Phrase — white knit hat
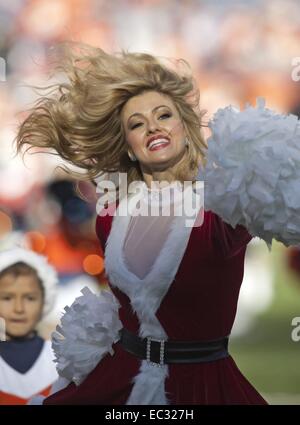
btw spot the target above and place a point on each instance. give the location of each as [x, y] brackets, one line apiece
[39, 263]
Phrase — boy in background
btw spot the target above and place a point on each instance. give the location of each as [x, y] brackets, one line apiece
[27, 293]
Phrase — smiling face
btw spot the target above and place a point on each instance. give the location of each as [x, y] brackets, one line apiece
[154, 131]
[21, 303]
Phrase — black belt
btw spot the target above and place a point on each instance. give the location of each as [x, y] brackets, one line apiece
[164, 352]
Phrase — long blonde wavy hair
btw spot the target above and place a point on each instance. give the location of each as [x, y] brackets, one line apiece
[81, 117]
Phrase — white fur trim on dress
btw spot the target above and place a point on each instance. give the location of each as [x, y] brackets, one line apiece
[45, 271]
[58, 385]
[252, 175]
[146, 295]
[36, 400]
[88, 330]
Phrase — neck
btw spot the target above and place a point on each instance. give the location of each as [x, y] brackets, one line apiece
[158, 177]
[30, 335]
[151, 174]
[153, 180]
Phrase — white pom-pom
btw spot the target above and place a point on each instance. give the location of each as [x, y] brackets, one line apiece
[252, 174]
[88, 330]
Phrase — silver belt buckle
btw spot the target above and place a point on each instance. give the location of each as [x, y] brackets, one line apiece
[161, 352]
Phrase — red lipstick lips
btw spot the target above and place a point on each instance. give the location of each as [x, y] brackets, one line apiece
[157, 136]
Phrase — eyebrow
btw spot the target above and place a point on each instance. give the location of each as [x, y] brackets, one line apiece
[153, 110]
[13, 293]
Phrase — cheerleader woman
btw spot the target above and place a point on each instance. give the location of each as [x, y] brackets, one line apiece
[161, 335]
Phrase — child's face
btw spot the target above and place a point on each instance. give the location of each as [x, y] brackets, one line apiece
[21, 304]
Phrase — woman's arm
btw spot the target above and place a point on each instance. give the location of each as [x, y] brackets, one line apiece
[229, 240]
[252, 173]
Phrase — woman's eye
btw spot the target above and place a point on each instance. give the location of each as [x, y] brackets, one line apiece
[5, 298]
[165, 115]
[136, 125]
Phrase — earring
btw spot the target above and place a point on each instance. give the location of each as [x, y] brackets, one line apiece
[131, 156]
[187, 142]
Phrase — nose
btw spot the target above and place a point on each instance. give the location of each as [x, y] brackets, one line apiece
[19, 305]
[152, 126]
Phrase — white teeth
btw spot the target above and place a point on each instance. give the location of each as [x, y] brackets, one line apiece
[157, 142]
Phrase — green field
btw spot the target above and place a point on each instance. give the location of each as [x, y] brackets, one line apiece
[267, 355]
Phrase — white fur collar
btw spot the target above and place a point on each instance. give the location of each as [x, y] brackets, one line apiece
[146, 295]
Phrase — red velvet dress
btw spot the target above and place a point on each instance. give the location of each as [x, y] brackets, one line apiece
[199, 304]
